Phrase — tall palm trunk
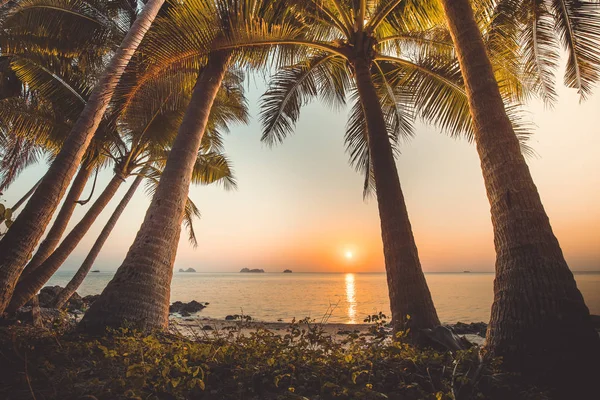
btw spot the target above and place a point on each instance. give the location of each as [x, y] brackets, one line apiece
[60, 223]
[409, 294]
[540, 323]
[31, 284]
[85, 267]
[21, 239]
[25, 197]
[139, 293]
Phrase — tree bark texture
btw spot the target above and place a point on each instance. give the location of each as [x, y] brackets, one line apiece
[60, 223]
[139, 294]
[410, 299]
[18, 243]
[87, 264]
[540, 324]
[32, 283]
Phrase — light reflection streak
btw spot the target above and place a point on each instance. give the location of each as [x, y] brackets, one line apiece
[351, 298]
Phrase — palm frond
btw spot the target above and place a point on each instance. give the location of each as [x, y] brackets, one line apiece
[324, 76]
[578, 26]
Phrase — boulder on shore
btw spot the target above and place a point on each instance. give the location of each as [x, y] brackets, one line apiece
[49, 293]
[475, 328]
[186, 309]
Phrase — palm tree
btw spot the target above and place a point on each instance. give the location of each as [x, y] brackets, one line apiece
[56, 87]
[369, 47]
[209, 168]
[540, 324]
[20, 240]
[139, 292]
[147, 121]
[292, 34]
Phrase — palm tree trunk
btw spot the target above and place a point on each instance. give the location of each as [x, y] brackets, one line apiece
[60, 223]
[27, 195]
[31, 284]
[139, 293]
[540, 324]
[26, 231]
[82, 272]
[409, 294]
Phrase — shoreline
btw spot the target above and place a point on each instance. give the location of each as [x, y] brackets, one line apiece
[213, 327]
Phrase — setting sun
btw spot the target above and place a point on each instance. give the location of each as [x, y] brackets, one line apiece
[349, 255]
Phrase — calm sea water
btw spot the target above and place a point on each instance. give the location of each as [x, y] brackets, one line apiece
[463, 297]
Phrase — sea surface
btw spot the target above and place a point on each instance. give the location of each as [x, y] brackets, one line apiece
[345, 298]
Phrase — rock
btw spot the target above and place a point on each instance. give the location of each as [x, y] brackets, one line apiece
[89, 299]
[207, 328]
[75, 303]
[443, 338]
[48, 294]
[187, 270]
[46, 314]
[252, 270]
[230, 318]
[185, 309]
[477, 328]
[287, 271]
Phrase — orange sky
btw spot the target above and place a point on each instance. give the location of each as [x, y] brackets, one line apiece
[299, 205]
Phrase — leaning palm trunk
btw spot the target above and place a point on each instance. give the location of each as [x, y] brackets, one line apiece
[60, 223]
[21, 239]
[31, 284]
[139, 293]
[82, 272]
[410, 300]
[540, 324]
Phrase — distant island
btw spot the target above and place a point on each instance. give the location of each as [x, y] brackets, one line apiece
[187, 270]
[96, 270]
[287, 271]
[252, 270]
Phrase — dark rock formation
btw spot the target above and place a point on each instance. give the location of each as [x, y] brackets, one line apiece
[90, 298]
[186, 309]
[475, 328]
[187, 270]
[252, 270]
[287, 271]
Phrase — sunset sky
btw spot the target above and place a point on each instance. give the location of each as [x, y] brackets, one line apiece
[299, 205]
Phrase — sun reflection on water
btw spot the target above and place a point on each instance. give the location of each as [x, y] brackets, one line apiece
[351, 298]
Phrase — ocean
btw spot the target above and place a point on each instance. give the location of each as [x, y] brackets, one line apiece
[349, 297]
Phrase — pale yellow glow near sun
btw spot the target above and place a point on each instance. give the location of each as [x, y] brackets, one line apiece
[349, 255]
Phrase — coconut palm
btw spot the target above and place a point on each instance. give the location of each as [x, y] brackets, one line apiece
[182, 41]
[56, 87]
[540, 324]
[209, 168]
[396, 61]
[265, 26]
[147, 122]
[20, 240]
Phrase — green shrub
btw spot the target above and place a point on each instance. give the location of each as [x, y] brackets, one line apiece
[302, 362]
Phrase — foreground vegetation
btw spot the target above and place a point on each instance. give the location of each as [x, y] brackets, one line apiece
[302, 362]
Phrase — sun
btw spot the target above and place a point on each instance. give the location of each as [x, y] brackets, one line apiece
[349, 255]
